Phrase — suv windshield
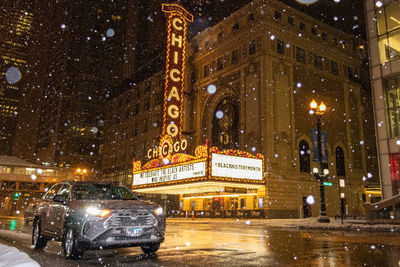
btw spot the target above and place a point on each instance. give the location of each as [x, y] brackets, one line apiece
[101, 191]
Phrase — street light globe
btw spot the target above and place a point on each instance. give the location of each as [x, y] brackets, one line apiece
[315, 170]
[326, 171]
[84, 171]
[322, 107]
[78, 170]
[313, 104]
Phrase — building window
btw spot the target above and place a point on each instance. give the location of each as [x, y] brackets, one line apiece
[252, 47]
[132, 152]
[317, 61]
[277, 15]
[206, 71]
[135, 129]
[235, 27]
[350, 74]
[389, 32]
[148, 86]
[340, 166]
[314, 31]
[145, 125]
[146, 105]
[220, 63]
[334, 68]
[304, 156]
[324, 36]
[158, 99]
[290, 21]
[300, 55]
[235, 56]
[392, 106]
[226, 124]
[280, 47]
[302, 26]
[251, 17]
[136, 109]
[220, 35]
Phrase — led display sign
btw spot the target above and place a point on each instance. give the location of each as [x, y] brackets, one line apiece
[236, 167]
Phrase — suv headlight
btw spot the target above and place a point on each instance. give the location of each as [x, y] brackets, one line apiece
[159, 211]
[97, 212]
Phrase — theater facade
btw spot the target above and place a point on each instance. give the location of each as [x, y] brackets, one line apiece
[225, 126]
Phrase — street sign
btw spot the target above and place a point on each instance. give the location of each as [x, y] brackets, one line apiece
[327, 184]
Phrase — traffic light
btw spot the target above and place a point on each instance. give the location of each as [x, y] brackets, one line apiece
[16, 196]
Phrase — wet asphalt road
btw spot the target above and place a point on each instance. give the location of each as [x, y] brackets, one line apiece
[227, 244]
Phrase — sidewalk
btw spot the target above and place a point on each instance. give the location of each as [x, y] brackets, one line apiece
[296, 224]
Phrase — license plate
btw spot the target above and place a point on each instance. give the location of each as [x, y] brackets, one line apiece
[134, 231]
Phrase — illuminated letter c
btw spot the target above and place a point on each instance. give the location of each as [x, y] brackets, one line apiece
[174, 75]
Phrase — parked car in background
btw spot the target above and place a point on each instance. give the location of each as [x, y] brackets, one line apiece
[29, 213]
[91, 215]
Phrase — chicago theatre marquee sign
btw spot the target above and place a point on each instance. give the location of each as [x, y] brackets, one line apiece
[169, 169]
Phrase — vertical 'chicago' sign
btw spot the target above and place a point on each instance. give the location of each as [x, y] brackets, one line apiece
[177, 18]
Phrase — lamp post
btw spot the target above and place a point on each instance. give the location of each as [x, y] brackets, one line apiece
[320, 174]
[81, 172]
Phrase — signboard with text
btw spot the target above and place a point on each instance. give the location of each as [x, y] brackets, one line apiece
[173, 173]
[236, 167]
[177, 21]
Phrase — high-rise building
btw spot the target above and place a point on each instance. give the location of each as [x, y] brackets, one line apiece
[383, 24]
[15, 31]
[81, 50]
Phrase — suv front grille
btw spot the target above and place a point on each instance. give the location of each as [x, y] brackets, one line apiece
[134, 218]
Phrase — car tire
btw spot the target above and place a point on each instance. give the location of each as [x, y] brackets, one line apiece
[38, 241]
[150, 248]
[72, 250]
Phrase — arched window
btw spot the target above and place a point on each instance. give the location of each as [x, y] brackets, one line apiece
[340, 167]
[226, 124]
[304, 156]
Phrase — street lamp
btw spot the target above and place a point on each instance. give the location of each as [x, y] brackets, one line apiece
[322, 173]
[81, 172]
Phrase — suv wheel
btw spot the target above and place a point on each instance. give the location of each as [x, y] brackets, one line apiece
[70, 244]
[38, 241]
[150, 248]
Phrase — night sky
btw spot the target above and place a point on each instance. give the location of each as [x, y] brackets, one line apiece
[346, 15]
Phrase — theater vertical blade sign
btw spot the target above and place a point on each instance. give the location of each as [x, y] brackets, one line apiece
[177, 19]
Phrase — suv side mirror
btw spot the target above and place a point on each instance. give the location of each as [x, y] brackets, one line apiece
[60, 198]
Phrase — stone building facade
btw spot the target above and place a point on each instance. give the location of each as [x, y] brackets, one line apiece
[249, 82]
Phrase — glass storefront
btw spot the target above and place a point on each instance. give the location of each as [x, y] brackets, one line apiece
[392, 106]
[388, 23]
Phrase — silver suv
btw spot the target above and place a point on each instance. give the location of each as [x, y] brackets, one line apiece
[93, 215]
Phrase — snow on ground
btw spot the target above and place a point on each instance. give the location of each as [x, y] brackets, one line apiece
[10, 256]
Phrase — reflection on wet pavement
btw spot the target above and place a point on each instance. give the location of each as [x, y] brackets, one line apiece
[225, 244]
